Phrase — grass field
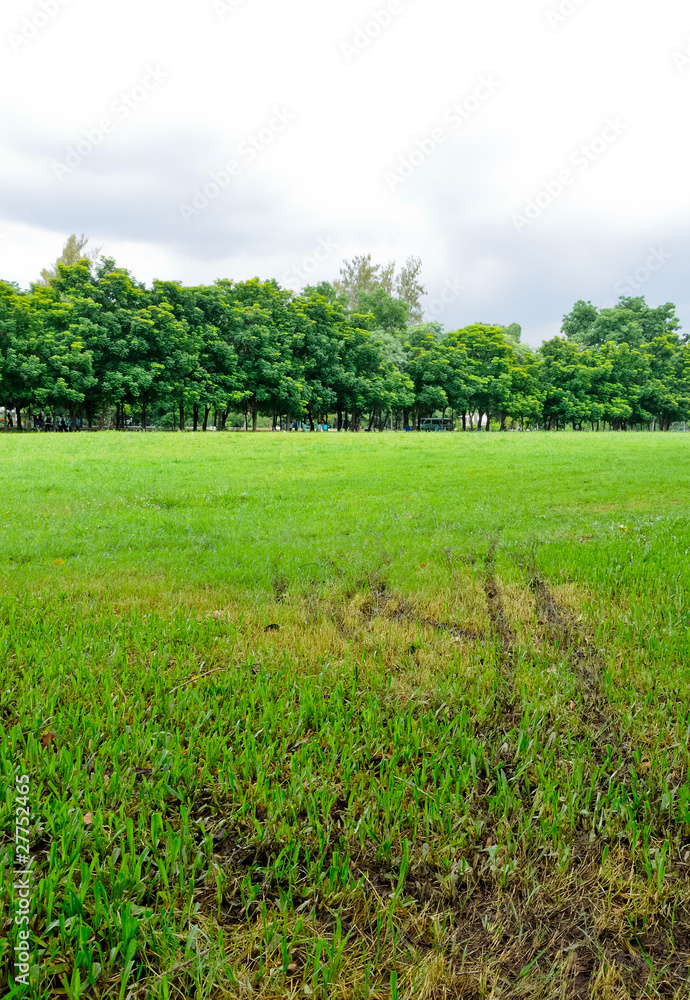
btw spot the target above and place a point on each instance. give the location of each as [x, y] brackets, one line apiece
[396, 716]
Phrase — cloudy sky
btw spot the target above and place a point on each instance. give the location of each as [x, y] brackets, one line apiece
[531, 152]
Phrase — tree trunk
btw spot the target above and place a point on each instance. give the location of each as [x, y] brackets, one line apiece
[195, 416]
[207, 410]
[181, 416]
[19, 419]
[143, 416]
[255, 414]
[340, 418]
[464, 420]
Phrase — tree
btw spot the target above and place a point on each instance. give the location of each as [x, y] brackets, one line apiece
[429, 369]
[89, 338]
[21, 370]
[667, 392]
[493, 361]
[409, 289]
[388, 313]
[317, 352]
[72, 251]
[67, 372]
[257, 319]
[566, 376]
[360, 277]
[630, 322]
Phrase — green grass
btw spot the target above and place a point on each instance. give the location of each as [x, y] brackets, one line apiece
[348, 716]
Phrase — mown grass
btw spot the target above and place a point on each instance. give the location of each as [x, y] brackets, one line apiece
[349, 716]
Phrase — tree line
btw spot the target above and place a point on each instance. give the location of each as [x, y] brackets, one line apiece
[90, 341]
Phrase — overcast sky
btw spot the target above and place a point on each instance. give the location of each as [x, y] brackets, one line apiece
[531, 153]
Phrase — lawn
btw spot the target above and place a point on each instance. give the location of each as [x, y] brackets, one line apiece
[394, 716]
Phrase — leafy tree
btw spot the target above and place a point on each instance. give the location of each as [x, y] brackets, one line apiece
[493, 361]
[257, 319]
[90, 338]
[388, 313]
[360, 277]
[667, 392]
[72, 251]
[409, 289]
[630, 322]
[566, 377]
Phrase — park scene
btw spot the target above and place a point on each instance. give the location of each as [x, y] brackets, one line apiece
[344, 496]
[388, 714]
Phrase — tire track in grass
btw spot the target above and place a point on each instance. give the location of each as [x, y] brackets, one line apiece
[508, 699]
[383, 603]
[600, 727]
[497, 937]
[497, 613]
[586, 660]
[513, 937]
[611, 742]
